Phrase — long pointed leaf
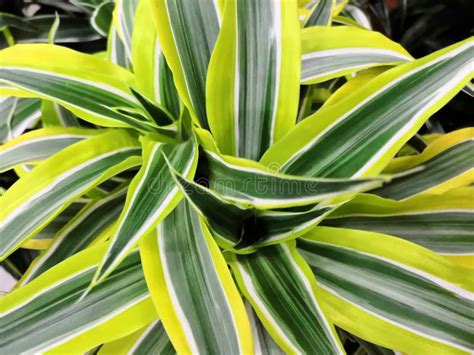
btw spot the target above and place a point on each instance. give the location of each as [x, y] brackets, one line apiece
[392, 292]
[187, 32]
[192, 287]
[442, 223]
[360, 135]
[250, 183]
[93, 89]
[40, 144]
[151, 196]
[253, 82]
[282, 291]
[46, 314]
[337, 51]
[42, 194]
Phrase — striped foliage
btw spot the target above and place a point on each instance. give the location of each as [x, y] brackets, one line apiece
[282, 290]
[336, 51]
[393, 291]
[442, 223]
[48, 314]
[187, 32]
[40, 144]
[151, 339]
[48, 189]
[232, 177]
[151, 196]
[65, 76]
[192, 288]
[446, 164]
[17, 115]
[153, 75]
[253, 83]
[245, 182]
[243, 229]
[90, 225]
[354, 138]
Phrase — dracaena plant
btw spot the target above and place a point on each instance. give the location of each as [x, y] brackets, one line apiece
[197, 216]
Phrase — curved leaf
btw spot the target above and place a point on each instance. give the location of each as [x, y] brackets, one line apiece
[192, 287]
[151, 196]
[42, 194]
[360, 135]
[253, 80]
[47, 314]
[283, 292]
[392, 292]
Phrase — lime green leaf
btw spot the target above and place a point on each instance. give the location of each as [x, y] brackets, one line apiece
[151, 196]
[244, 229]
[252, 184]
[253, 80]
[17, 115]
[442, 223]
[392, 292]
[330, 52]
[42, 194]
[47, 314]
[360, 135]
[321, 13]
[54, 115]
[445, 164]
[151, 339]
[124, 18]
[37, 145]
[192, 287]
[90, 87]
[79, 233]
[154, 77]
[187, 32]
[282, 291]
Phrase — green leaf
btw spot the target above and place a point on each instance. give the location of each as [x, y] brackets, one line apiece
[54, 115]
[17, 115]
[89, 226]
[361, 134]
[262, 341]
[73, 29]
[283, 292]
[102, 17]
[253, 80]
[442, 223]
[242, 229]
[392, 292]
[91, 88]
[42, 194]
[44, 238]
[124, 17]
[187, 32]
[445, 164]
[192, 287]
[321, 14]
[47, 314]
[151, 339]
[116, 50]
[249, 183]
[37, 145]
[153, 75]
[151, 196]
[330, 52]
